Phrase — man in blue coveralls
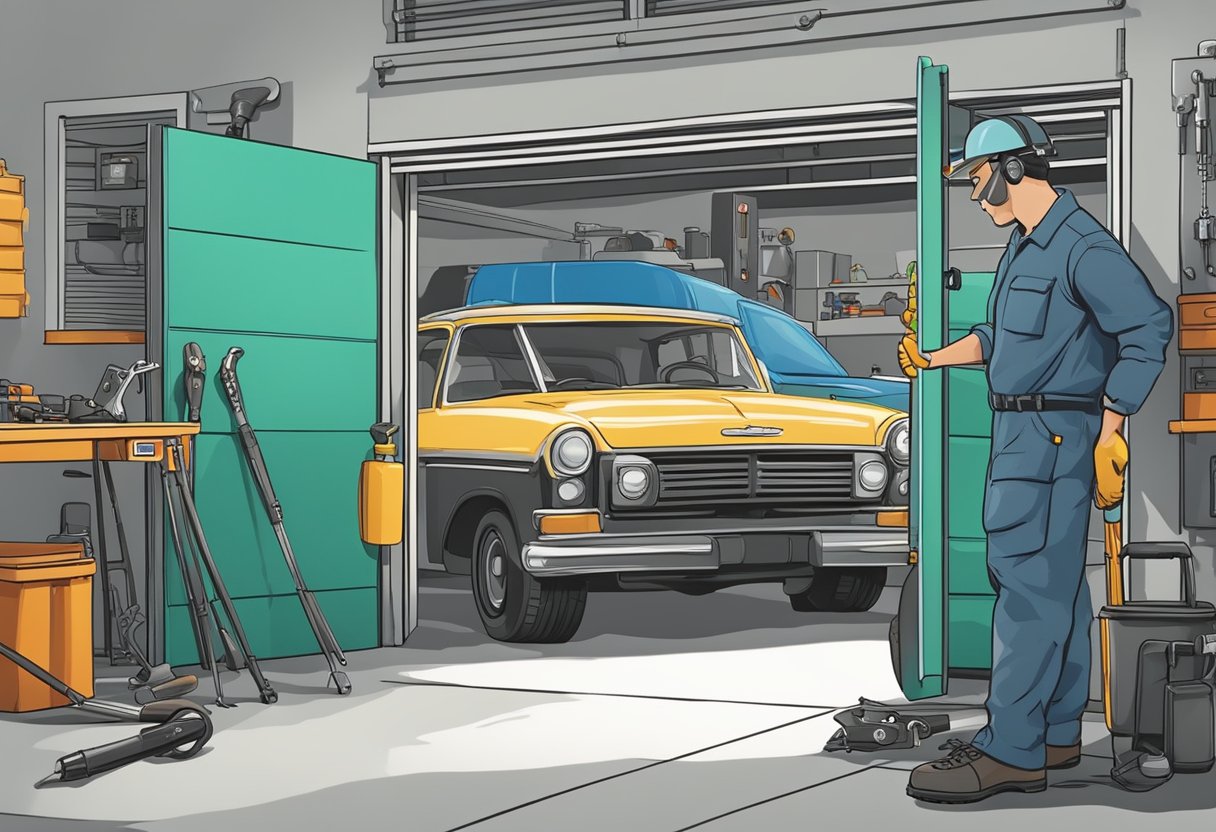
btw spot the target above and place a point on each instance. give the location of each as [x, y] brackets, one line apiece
[1074, 340]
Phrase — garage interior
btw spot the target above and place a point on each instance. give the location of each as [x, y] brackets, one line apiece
[396, 160]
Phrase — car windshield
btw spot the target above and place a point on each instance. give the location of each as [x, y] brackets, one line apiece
[605, 355]
[785, 346]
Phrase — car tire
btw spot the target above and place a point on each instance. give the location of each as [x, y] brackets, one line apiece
[513, 605]
[842, 589]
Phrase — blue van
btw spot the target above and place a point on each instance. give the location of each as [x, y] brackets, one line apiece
[797, 363]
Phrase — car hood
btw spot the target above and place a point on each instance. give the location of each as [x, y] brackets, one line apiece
[893, 393]
[682, 418]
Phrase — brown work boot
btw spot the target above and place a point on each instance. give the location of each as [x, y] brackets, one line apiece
[1063, 756]
[967, 774]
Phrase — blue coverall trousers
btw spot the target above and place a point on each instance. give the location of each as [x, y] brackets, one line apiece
[1036, 513]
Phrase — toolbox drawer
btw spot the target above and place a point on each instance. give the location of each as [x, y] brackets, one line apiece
[1197, 321]
[1199, 405]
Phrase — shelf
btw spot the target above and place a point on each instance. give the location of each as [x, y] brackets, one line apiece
[874, 325]
[1193, 426]
[93, 336]
[850, 287]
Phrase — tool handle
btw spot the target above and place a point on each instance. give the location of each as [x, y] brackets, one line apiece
[150, 742]
[261, 474]
[232, 385]
[1169, 550]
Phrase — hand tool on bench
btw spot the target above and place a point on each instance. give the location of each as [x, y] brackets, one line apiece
[274, 510]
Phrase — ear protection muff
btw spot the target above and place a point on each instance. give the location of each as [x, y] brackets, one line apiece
[1011, 168]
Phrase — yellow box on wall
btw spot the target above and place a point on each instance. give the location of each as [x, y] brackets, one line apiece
[14, 306]
[12, 258]
[10, 231]
[12, 206]
[12, 282]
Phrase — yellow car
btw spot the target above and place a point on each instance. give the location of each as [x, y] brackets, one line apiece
[567, 448]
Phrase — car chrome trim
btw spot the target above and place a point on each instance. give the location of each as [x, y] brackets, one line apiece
[475, 457]
[753, 430]
[512, 469]
[747, 448]
[581, 310]
[533, 360]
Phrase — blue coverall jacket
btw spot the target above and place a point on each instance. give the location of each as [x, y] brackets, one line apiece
[1070, 316]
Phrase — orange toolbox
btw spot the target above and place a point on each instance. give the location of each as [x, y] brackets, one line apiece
[46, 614]
[1197, 322]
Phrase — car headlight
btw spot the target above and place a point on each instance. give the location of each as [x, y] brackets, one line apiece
[635, 482]
[899, 442]
[571, 453]
[872, 475]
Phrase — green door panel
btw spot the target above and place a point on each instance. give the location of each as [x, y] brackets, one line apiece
[250, 189]
[328, 293]
[923, 662]
[318, 492]
[967, 469]
[971, 631]
[969, 567]
[273, 249]
[283, 381]
[969, 305]
[276, 626]
[969, 385]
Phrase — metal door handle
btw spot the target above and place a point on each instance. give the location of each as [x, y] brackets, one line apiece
[954, 279]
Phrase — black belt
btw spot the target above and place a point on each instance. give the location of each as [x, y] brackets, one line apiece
[1039, 402]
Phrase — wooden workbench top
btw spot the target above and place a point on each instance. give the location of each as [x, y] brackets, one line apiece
[69, 432]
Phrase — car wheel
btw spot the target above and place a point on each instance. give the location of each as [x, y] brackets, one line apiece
[842, 589]
[513, 605]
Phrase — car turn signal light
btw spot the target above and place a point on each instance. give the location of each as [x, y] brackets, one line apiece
[892, 518]
[580, 523]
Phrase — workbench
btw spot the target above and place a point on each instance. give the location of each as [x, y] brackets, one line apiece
[96, 442]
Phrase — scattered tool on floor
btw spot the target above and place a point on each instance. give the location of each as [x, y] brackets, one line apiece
[274, 510]
[193, 556]
[874, 726]
[192, 726]
[181, 737]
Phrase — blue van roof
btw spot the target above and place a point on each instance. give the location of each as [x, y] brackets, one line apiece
[627, 282]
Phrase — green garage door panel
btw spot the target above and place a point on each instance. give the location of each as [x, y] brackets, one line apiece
[971, 631]
[969, 305]
[318, 493]
[249, 189]
[276, 626]
[283, 381]
[970, 386]
[969, 566]
[273, 249]
[968, 469]
[336, 282]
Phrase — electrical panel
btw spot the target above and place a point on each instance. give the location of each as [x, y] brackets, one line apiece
[734, 238]
[1194, 97]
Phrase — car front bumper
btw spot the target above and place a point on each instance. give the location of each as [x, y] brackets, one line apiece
[718, 550]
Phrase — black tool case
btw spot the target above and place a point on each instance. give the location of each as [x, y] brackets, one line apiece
[1134, 622]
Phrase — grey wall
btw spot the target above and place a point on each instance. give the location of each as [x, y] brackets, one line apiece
[57, 49]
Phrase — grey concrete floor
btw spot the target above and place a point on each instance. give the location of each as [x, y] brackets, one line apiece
[664, 713]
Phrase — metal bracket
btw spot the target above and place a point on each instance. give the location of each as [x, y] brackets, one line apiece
[954, 279]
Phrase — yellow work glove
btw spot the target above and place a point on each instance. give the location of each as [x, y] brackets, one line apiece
[1110, 462]
[911, 361]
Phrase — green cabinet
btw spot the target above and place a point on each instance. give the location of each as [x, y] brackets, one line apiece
[273, 249]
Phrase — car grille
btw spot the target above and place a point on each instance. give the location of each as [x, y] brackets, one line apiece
[777, 478]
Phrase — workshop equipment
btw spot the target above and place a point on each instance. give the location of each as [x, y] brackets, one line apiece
[14, 222]
[239, 101]
[734, 238]
[192, 727]
[190, 544]
[274, 510]
[113, 386]
[1125, 625]
[182, 736]
[46, 613]
[875, 726]
[193, 376]
[382, 490]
